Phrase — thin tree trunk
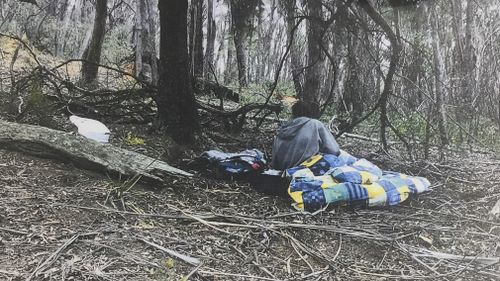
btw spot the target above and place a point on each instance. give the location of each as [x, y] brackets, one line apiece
[311, 92]
[388, 81]
[295, 62]
[352, 87]
[63, 29]
[196, 38]
[138, 33]
[469, 69]
[228, 71]
[242, 12]
[211, 33]
[92, 54]
[150, 47]
[440, 77]
[241, 58]
[145, 42]
[85, 42]
[176, 102]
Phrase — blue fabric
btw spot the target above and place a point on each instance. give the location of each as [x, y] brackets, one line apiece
[345, 180]
[236, 163]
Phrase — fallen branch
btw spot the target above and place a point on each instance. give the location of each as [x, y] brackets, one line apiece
[85, 153]
[444, 256]
[238, 116]
[52, 258]
[220, 91]
[13, 231]
[187, 259]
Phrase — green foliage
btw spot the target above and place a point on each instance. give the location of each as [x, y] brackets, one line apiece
[258, 92]
[168, 272]
[36, 97]
[413, 125]
[116, 45]
[169, 263]
[132, 139]
[483, 131]
[37, 103]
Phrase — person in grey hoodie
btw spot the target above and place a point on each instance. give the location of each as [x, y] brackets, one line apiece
[301, 138]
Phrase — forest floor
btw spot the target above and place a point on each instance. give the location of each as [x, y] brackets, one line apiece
[59, 222]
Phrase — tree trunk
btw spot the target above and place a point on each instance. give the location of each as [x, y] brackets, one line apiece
[196, 38]
[211, 33]
[176, 102]
[145, 42]
[311, 92]
[469, 70]
[415, 70]
[394, 60]
[441, 78]
[228, 70]
[242, 12]
[138, 34]
[62, 30]
[150, 48]
[84, 153]
[85, 43]
[295, 64]
[92, 54]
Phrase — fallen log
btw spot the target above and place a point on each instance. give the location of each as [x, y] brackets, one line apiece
[84, 153]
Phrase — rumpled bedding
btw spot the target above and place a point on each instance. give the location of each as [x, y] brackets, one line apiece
[326, 179]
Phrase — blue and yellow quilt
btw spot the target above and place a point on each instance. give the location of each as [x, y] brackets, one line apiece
[345, 180]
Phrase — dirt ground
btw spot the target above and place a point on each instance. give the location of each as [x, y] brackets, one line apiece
[63, 223]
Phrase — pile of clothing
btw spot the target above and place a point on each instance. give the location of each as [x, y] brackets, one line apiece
[346, 180]
[241, 165]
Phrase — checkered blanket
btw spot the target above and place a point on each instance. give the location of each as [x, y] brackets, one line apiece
[346, 180]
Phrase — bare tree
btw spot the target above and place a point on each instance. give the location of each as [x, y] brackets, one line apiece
[393, 64]
[146, 66]
[211, 34]
[315, 55]
[176, 102]
[242, 12]
[196, 38]
[92, 55]
[295, 63]
[63, 29]
[441, 79]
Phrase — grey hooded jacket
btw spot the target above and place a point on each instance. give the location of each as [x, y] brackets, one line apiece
[300, 139]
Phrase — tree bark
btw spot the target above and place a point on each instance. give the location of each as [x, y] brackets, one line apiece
[242, 12]
[83, 152]
[196, 38]
[353, 102]
[295, 63]
[441, 78]
[62, 30]
[175, 100]
[211, 33]
[92, 54]
[228, 70]
[312, 85]
[146, 66]
[138, 34]
[395, 55]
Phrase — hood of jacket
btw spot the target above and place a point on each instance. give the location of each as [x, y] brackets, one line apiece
[290, 129]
